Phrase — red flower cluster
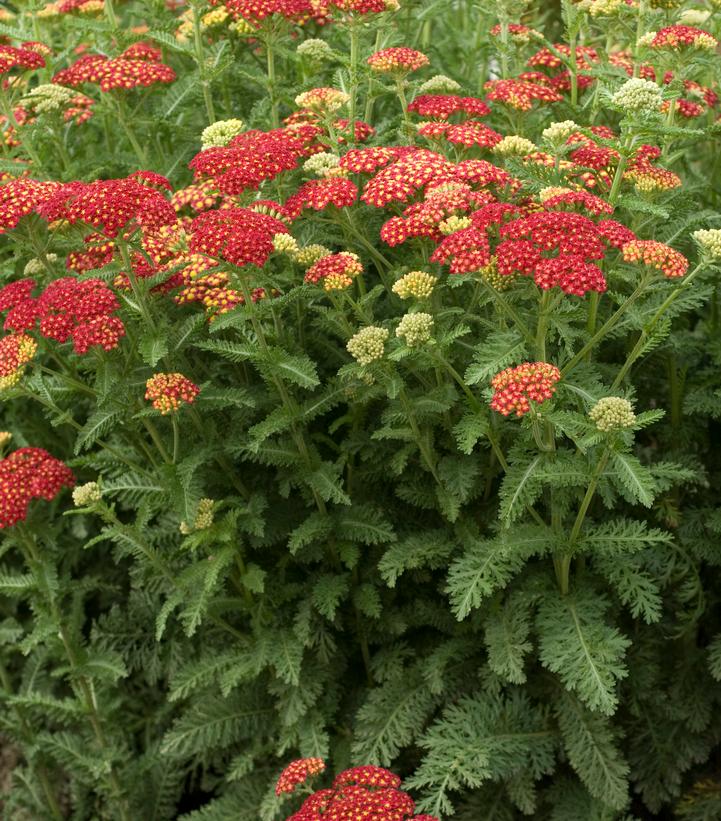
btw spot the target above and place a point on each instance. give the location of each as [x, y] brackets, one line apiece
[319, 194]
[397, 60]
[168, 391]
[363, 6]
[679, 36]
[368, 793]
[137, 67]
[20, 197]
[515, 388]
[335, 271]
[251, 158]
[27, 474]
[469, 133]
[656, 255]
[298, 772]
[68, 308]
[647, 176]
[520, 94]
[23, 58]
[109, 205]
[588, 202]
[255, 11]
[238, 235]
[443, 106]
[412, 170]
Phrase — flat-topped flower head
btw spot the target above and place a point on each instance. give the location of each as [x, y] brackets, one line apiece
[415, 285]
[320, 194]
[322, 100]
[656, 255]
[397, 60]
[678, 37]
[298, 772]
[25, 59]
[557, 133]
[612, 413]
[334, 272]
[368, 344]
[521, 94]
[439, 84]
[442, 106]
[515, 388]
[27, 474]
[238, 235]
[168, 391]
[310, 254]
[114, 73]
[16, 351]
[315, 49]
[366, 6]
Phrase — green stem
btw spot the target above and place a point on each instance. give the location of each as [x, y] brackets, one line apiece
[176, 438]
[353, 72]
[270, 68]
[157, 441]
[648, 329]
[420, 441]
[542, 326]
[34, 561]
[121, 110]
[200, 60]
[21, 132]
[110, 13]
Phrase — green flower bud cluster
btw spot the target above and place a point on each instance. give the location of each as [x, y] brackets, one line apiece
[368, 344]
[203, 518]
[415, 284]
[87, 494]
[48, 97]
[221, 133]
[612, 413]
[638, 94]
[440, 84]
[415, 329]
[315, 49]
[305, 257]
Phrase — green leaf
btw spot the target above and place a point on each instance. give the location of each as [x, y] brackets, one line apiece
[634, 481]
[577, 644]
[500, 349]
[592, 751]
[98, 424]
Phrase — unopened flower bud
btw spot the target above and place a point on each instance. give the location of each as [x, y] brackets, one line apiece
[513, 146]
[440, 84]
[305, 257]
[638, 94]
[558, 133]
[612, 413]
[87, 494]
[415, 329]
[35, 267]
[285, 244]
[454, 223]
[709, 240]
[416, 284]
[221, 133]
[315, 49]
[321, 163]
[368, 344]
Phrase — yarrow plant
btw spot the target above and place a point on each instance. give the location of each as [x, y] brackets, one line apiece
[359, 371]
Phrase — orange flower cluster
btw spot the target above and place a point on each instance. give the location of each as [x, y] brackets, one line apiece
[515, 388]
[397, 60]
[168, 391]
[656, 255]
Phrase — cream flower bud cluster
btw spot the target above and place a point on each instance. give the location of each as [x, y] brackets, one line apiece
[203, 518]
[221, 133]
[454, 223]
[324, 164]
[415, 284]
[612, 413]
[305, 257]
[415, 329]
[558, 133]
[285, 244]
[35, 267]
[709, 239]
[368, 344]
[638, 94]
[513, 146]
[48, 97]
[602, 8]
[87, 494]
[5, 438]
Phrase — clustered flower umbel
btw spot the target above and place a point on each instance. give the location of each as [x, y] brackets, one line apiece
[397, 60]
[27, 474]
[365, 792]
[415, 329]
[221, 132]
[656, 255]
[168, 391]
[335, 271]
[415, 284]
[612, 413]
[638, 94]
[368, 344]
[515, 388]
